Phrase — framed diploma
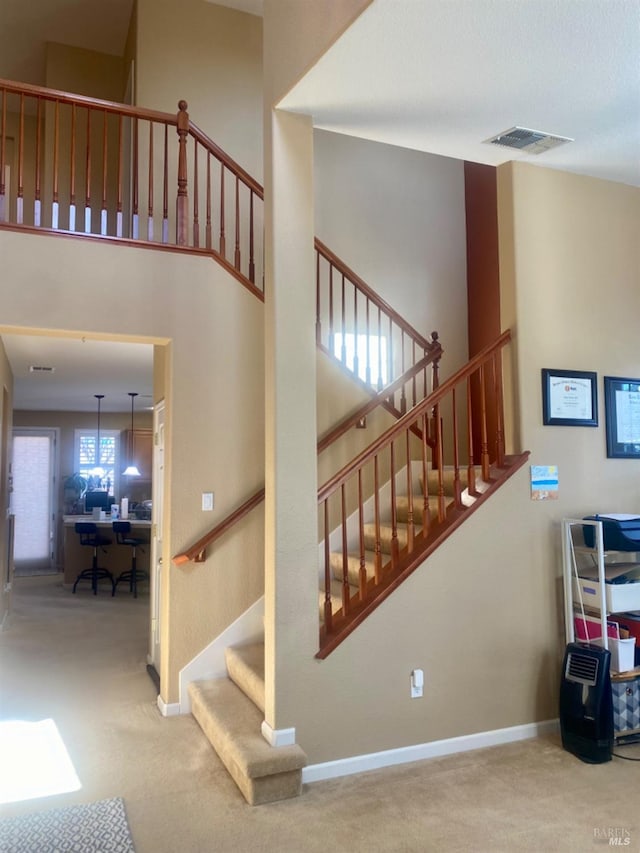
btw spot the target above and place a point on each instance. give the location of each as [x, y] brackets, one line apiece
[622, 414]
[569, 398]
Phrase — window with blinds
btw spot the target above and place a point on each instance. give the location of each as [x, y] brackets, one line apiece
[97, 467]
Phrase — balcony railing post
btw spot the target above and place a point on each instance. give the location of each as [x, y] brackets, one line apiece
[182, 201]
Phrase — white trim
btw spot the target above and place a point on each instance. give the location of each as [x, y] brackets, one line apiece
[420, 751]
[210, 662]
[168, 709]
[278, 737]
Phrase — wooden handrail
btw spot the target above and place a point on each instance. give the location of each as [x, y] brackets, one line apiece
[197, 551]
[377, 300]
[399, 533]
[378, 400]
[113, 209]
[228, 161]
[42, 93]
[405, 421]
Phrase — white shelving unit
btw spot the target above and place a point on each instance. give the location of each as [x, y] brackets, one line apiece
[573, 546]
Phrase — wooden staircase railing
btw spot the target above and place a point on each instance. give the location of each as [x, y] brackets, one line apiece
[364, 333]
[80, 165]
[197, 553]
[360, 520]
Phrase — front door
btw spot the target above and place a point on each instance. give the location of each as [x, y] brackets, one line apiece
[34, 482]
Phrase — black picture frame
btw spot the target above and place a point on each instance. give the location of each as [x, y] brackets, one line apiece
[622, 417]
[569, 397]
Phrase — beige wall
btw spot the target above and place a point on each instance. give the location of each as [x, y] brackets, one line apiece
[84, 72]
[214, 394]
[6, 396]
[211, 57]
[570, 292]
[397, 217]
[483, 616]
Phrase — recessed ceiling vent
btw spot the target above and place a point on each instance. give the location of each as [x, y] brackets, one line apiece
[529, 141]
[40, 368]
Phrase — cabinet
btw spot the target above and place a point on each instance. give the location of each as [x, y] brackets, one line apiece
[137, 447]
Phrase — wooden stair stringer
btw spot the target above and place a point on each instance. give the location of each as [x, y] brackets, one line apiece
[424, 545]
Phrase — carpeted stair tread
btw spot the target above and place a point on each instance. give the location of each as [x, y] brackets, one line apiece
[386, 535]
[353, 561]
[448, 474]
[245, 666]
[232, 724]
[402, 508]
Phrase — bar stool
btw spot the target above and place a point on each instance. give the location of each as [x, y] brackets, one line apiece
[122, 529]
[89, 536]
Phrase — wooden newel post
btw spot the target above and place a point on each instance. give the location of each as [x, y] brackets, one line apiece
[182, 201]
[436, 363]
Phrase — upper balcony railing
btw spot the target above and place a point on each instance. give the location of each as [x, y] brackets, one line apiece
[78, 165]
[81, 165]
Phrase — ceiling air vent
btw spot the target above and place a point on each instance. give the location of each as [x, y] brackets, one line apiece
[529, 141]
[40, 368]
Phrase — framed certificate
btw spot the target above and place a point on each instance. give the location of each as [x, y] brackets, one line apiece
[569, 398]
[622, 415]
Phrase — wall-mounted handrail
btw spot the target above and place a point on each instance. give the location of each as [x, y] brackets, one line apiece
[197, 552]
[416, 421]
[381, 398]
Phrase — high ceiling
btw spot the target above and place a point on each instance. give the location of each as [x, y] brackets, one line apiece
[444, 76]
[440, 76]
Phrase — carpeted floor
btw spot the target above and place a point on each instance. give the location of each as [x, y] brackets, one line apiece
[81, 661]
[93, 828]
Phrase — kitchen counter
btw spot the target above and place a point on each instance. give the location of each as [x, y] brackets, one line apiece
[70, 520]
[116, 558]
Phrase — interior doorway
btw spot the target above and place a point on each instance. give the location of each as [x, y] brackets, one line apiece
[34, 469]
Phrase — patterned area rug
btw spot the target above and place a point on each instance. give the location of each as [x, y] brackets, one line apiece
[94, 828]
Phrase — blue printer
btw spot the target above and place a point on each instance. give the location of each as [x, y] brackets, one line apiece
[620, 531]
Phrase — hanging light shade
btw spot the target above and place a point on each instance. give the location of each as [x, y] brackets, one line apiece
[132, 469]
[98, 470]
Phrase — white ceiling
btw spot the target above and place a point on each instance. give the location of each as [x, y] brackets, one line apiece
[83, 367]
[439, 76]
[444, 75]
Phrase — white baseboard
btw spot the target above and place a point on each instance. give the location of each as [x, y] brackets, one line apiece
[210, 662]
[278, 737]
[168, 709]
[420, 751]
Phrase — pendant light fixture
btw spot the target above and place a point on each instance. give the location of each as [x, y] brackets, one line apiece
[98, 470]
[132, 469]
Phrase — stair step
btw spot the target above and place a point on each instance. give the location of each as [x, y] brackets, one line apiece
[353, 561]
[245, 665]
[402, 508]
[232, 724]
[448, 474]
[386, 534]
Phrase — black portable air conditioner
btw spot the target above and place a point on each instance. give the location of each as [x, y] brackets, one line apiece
[586, 708]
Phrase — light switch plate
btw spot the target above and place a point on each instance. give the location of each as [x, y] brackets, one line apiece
[207, 501]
